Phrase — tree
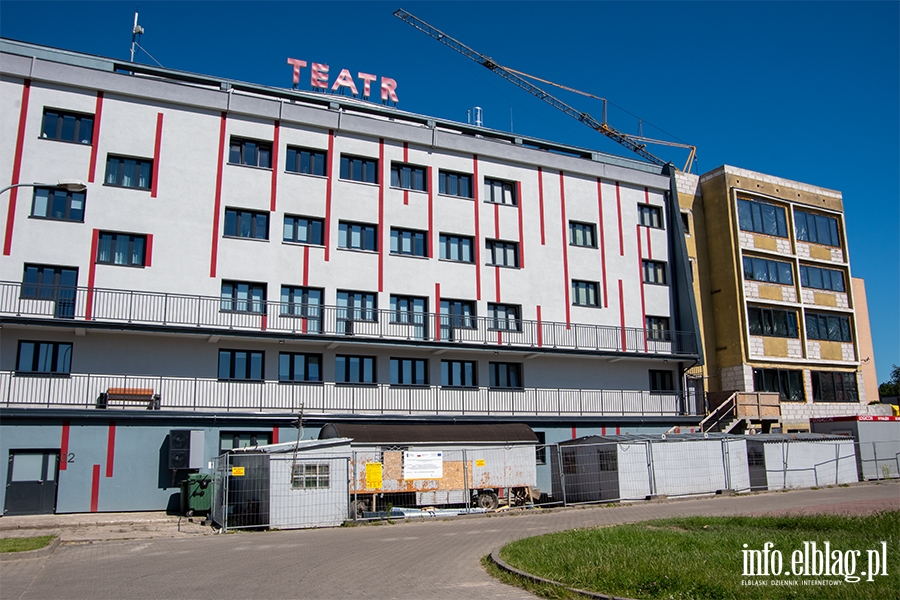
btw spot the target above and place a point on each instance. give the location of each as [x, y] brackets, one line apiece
[892, 386]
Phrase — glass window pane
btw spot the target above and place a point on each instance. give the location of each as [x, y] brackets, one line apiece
[256, 365]
[240, 365]
[27, 467]
[40, 202]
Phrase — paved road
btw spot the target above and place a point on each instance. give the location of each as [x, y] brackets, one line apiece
[408, 560]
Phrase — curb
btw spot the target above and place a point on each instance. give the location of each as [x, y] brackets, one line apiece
[45, 551]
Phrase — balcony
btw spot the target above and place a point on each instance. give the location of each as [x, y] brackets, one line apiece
[92, 391]
[141, 308]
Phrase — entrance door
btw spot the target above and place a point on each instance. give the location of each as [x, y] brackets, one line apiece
[31, 482]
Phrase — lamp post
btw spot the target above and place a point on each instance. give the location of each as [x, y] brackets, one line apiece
[72, 185]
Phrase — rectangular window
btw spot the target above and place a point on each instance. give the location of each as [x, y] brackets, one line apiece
[505, 317]
[121, 249]
[299, 367]
[44, 282]
[459, 373]
[229, 440]
[822, 279]
[686, 223]
[128, 172]
[650, 216]
[67, 126]
[500, 192]
[409, 371]
[505, 375]
[502, 254]
[761, 217]
[818, 229]
[252, 153]
[58, 203]
[356, 306]
[455, 184]
[358, 168]
[662, 381]
[834, 386]
[305, 476]
[354, 369]
[305, 303]
[306, 160]
[242, 296]
[246, 224]
[457, 247]
[772, 322]
[408, 177]
[770, 271]
[583, 234]
[658, 329]
[410, 242]
[241, 365]
[654, 272]
[788, 383]
[303, 230]
[50, 358]
[458, 314]
[585, 293]
[357, 236]
[835, 328]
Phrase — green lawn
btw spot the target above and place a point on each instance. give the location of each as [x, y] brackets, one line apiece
[703, 557]
[24, 544]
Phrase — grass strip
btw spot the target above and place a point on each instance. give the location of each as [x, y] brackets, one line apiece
[25, 544]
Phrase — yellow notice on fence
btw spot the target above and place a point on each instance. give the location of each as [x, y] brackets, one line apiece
[374, 476]
[237, 471]
[479, 462]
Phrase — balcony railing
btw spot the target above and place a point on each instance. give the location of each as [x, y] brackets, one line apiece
[201, 394]
[178, 310]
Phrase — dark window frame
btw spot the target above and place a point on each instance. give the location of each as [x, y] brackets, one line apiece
[592, 288]
[658, 328]
[248, 375]
[466, 367]
[834, 386]
[60, 126]
[306, 161]
[357, 311]
[114, 241]
[454, 317]
[650, 215]
[493, 184]
[406, 176]
[654, 272]
[121, 163]
[315, 228]
[810, 233]
[504, 317]
[242, 145]
[291, 375]
[59, 351]
[368, 232]
[235, 216]
[788, 383]
[772, 322]
[360, 169]
[418, 240]
[302, 307]
[662, 381]
[828, 327]
[502, 248]
[586, 230]
[406, 368]
[343, 378]
[506, 376]
[456, 184]
[448, 241]
[767, 270]
[810, 274]
[50, 204]
[249, 305]
[751, 218]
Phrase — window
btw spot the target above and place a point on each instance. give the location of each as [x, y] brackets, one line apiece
[51, 358]
[251, 153]
[246, 224]
[299, 367]
[540, 453]
[67, 126]
[42, 282]
[410, 242]
[686, 223]
[585, 293]
[408, 177]
[306, 160]
[505, 317]
[459, 373]
[760, 217]
[356, 168]
[818, 229]
[355, 306]
[822, 279]
[121, 249]
[456, 247]
[303, 230]
[662, 381]
[409, 371]
[771, 271]
[658, 329]
[240, 296]
[229, 440]
[305, 303]
[128, 172]
[500, 192]
[789, 384]
[58, 203]
[458, 313]
[240, 365]
[455, 184]
[583, 234]
[305, 476]
[772, 322]
[357, 236]
[834, 386]
[354, 369]
[650, 216]
[505, 375]
[835, 328]
[654, 272]
[502, 254]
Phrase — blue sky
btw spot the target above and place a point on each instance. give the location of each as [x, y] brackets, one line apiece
[808, 91]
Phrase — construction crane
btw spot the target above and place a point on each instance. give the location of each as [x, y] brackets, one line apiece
[636, 144]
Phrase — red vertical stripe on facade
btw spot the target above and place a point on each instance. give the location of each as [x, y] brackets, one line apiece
[497, 221]
[148, 254]
[218, 201]
[274, 166]
[274, 435]
[305, 266]
[430, 249]
[618, 430]
[497, 284]
[565, 243]
[437, 311]
[110, 448]
[95, 488]
[603, 431]
[602, 243]
[264, 322]
[89, 302]
[95, 142]
[475, 187]
[381, 235]
[574, 433]
[619, 211]
[622, 315]
[64, 446]
[154, 186]
[541, 203]
[649, 245]
[641, 277]
[405, 159]
[17, 167]
[521, 226]
[540, 328]
[328, 187]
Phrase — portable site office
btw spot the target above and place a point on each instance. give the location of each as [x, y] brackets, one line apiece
[878, 442]
[797, 460]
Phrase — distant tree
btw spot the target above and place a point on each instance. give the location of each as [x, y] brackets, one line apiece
[892, 386]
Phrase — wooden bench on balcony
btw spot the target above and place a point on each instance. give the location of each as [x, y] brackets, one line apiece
[126, 395]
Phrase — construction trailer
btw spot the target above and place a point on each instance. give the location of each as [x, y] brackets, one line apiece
[877, 439]
[799, 460]
[404, 465]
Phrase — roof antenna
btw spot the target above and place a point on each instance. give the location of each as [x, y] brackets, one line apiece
[136, 31]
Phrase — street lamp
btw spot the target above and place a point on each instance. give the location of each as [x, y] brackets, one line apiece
[72, 185]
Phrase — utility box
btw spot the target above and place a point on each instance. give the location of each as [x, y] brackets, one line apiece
[196, 494]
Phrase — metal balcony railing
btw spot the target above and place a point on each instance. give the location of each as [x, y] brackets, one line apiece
[179, 310]
[93, 391]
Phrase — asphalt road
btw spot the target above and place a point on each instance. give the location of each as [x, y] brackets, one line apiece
[408, 560]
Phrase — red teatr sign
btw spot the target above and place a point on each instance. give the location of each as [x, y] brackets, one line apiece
[319, 79]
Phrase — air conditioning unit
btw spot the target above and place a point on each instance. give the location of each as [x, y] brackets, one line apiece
[185, 449]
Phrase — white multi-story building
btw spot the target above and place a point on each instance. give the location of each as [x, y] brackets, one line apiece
[241, 254]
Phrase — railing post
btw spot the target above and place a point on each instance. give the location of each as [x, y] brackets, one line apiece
[199, 308]
[165, 315]
[130, 305]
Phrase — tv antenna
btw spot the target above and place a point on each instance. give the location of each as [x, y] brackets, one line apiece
[136, 32]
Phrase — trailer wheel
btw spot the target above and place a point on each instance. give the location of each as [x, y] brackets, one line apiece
[487, 500]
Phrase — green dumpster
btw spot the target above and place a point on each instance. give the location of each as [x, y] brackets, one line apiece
[196, 494]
